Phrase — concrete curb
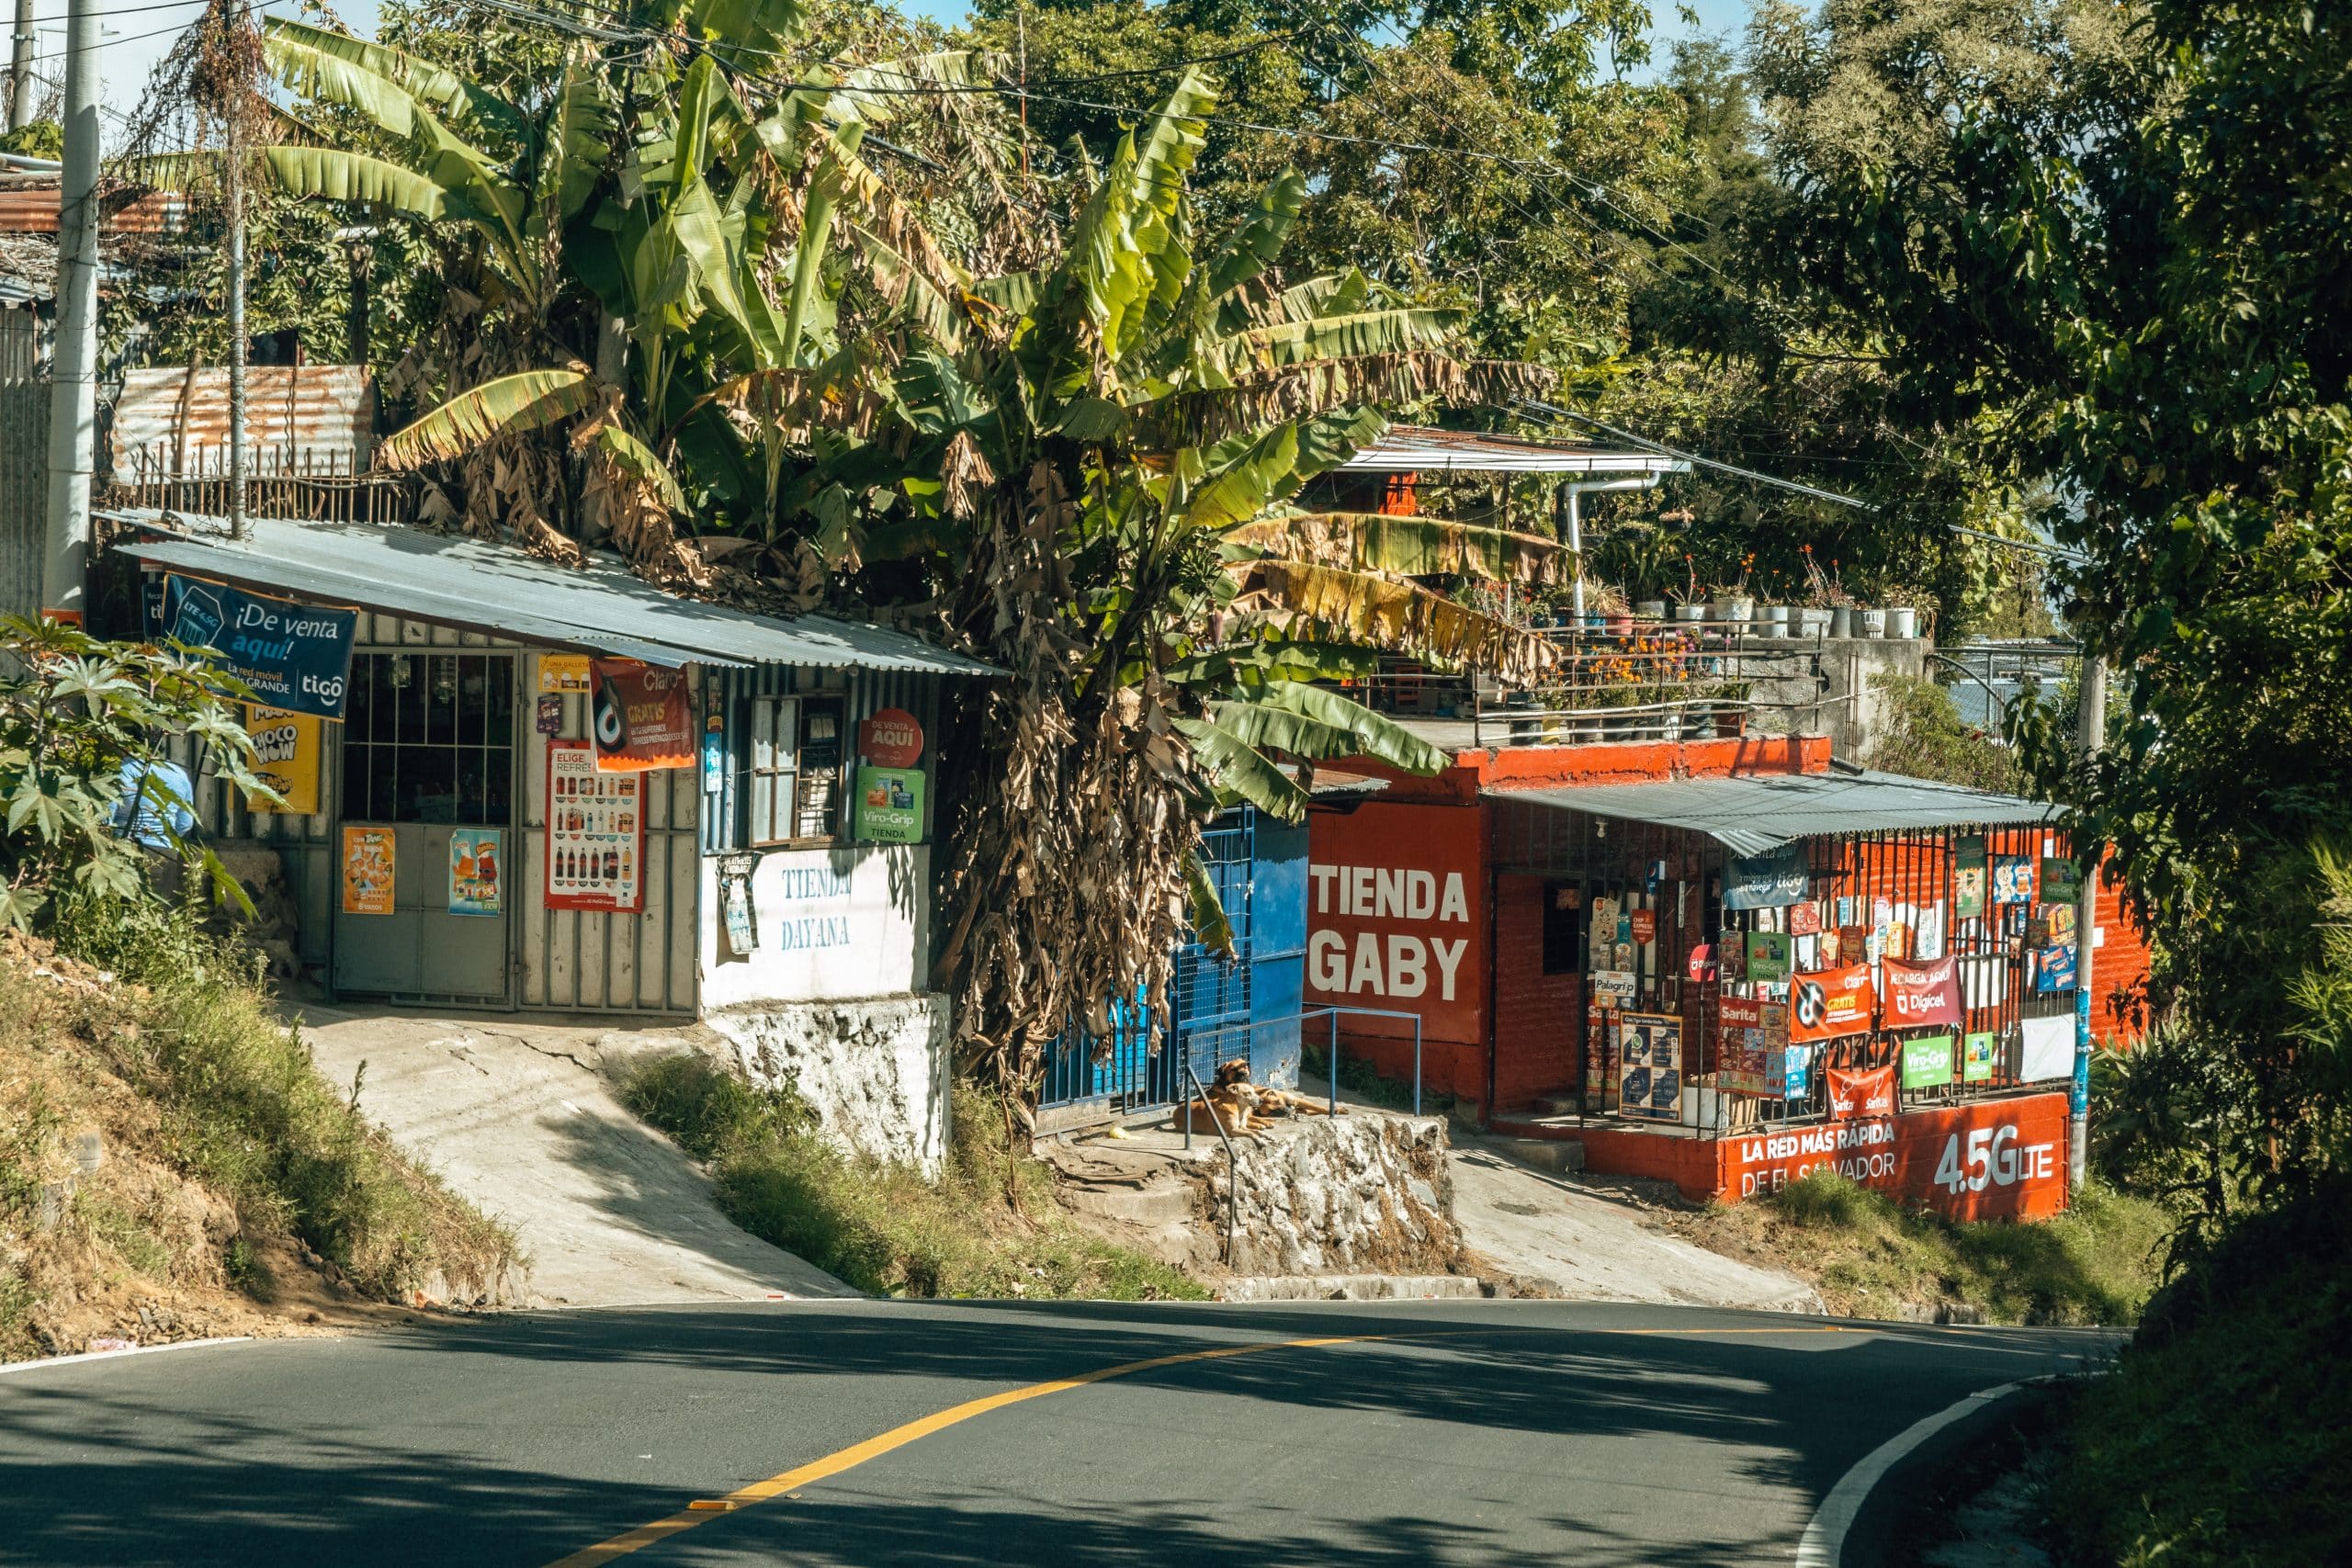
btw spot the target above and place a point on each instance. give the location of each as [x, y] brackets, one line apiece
[1856, 1523]
[45, 1362]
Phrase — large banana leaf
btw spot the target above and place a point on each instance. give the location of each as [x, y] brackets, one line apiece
[1399, 616]
[578, 145]
[320, 172]
[1247, 473]
[1255, 664]
[760, 26]
[1370, 733]
[503, 407]
[1242, 771]
[1355, 335]
[638, 459]
[1252, 245]
[1265, 728]
[288, 44]
[1411, 547]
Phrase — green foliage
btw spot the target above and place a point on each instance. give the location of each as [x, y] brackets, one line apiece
[1922, 736]
[987, 1227]
[35, 139]
[74, 712]
[2224, 1434]
[1870, 1257]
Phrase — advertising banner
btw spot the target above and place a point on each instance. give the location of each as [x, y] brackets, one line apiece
[1767, 882]
[1804, 920]
[1968, 878]
[1753, 1042]
[1979, 1053]
[2060, 881]
[2005, 1160]
[2045, 1048]
[1613, 987]
[1832, 1004]
[285, 755]
[595, 835]
[1927, 1062]
[641, 718]
[1859, 1092]
[295, 657]
[1768, 956]
[367, 870]
[474, 867]
[2053, 969]
[565, 674]
[1649, 1066]
[889, 805]
[891, 738]
[2012, 879]
[1922, 993]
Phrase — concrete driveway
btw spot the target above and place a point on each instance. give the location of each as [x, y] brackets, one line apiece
[523, 1119]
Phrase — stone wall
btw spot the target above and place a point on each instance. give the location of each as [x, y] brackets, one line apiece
[1823, 688]
[876, 1070]
[1357, 1193]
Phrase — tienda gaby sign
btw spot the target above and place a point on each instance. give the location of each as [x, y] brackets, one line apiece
[1408, 963]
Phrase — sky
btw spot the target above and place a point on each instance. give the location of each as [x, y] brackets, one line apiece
[135, 34]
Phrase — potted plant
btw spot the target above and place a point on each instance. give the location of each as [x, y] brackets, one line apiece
[1734, 604]
[1689, 600]
[1902, 615]
[1730, 707]
[1818, 615]
[1605, 607]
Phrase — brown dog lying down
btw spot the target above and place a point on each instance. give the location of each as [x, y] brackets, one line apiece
[1243, 1107]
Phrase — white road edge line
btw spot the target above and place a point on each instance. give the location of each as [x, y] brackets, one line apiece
[1824, 1545]
[47, 1361]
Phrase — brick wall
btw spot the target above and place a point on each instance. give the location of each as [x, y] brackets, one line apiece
[1537, 1033]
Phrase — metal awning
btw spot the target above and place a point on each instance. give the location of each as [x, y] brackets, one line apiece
[1755, 815]
[1412, 448]
[496, 589]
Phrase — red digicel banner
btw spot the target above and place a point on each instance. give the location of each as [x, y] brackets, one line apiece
[1867, 1091]
[640, 717]
[1922, 993]
[2001, 1160]
[1833, 1003]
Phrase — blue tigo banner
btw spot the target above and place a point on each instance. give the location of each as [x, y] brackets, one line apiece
[1768, 882]
[295, 657]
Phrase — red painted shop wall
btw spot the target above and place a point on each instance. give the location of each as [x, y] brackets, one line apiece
[1999, 1160]
[2118, 969]
[1413, 940]
[1537, 1016]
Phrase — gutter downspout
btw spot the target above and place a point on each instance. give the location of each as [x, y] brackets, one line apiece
[1575, 520]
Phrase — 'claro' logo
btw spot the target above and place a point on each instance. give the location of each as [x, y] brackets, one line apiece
[1993, 1158]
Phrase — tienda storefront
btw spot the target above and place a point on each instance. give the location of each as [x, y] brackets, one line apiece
[1722, 963]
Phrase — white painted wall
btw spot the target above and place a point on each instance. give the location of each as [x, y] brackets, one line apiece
[876, 1071]
[834, 925]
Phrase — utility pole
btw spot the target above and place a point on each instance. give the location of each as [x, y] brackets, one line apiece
[2090, 734]
[233, 179]
[21, 68]
[73, 392]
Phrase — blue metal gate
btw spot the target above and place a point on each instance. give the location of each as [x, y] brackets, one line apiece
[1258, 868]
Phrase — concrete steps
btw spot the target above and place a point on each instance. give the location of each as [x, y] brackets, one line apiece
[1562, 1156]
[1353, 1287]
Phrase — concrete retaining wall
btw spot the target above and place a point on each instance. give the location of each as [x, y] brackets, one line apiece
[876, 1070]
[1361, 1193]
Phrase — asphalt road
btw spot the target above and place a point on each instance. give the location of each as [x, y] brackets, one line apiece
[1468, 1432]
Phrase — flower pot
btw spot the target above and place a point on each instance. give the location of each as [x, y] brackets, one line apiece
[1734, 610]
[1902, 621]
[1650, 609]
[1690, 611]
[1841, 621]
[1776, 620]
[1870, 623]
[1524, 731]
[1621, 626]
[1730, 719]
[1812, 621]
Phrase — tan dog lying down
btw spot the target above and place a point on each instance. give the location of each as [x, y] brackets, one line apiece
[1243, 1107]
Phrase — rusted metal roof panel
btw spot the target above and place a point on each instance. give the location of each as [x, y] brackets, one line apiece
[1411, 449]
[300, 419]
[28, 206]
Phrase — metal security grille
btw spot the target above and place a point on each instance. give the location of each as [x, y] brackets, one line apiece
[429, 737]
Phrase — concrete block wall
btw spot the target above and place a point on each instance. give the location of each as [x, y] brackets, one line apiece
[1823, 688]
[1537, 1016]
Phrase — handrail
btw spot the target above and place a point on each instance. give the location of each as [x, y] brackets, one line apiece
[1232, 1160]
[1332, 1011]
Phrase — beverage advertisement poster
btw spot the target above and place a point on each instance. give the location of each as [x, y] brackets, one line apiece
[1832, 1004]
[2053, 970]
[1804, 920]
[596, 834]
[1649, 1066]
[475, 865]
[564, 675]
[889, 805]
[1731, 954]
[367, 870]
[1922, 994]
[1862, 1091]
[1927, 1062]
[1968, 878]
[1768, 956]
[641, 716]
[1754, 1047]
[1979, 1052]
[2012, 879]
[285, 755]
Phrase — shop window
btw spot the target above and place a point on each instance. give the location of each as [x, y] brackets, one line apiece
[429, 737]
[796, 785]
[1563, 927]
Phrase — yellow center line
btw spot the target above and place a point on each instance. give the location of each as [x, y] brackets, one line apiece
[856, 1454]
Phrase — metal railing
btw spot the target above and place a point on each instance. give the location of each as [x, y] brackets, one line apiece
[1232, 1161]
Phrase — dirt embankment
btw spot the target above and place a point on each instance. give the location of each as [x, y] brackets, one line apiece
[172, 1167]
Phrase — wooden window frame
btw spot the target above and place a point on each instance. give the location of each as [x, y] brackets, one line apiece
[779, 778]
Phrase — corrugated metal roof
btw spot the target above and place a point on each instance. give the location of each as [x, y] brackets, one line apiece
[28, 206]
[304, 417]
[1754, 815]
[1411, 449]
[478, 586]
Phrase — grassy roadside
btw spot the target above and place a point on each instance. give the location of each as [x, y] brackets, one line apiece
[1870, 1257]
[171, 1164]
[2224, 1435]
[883, 1227]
